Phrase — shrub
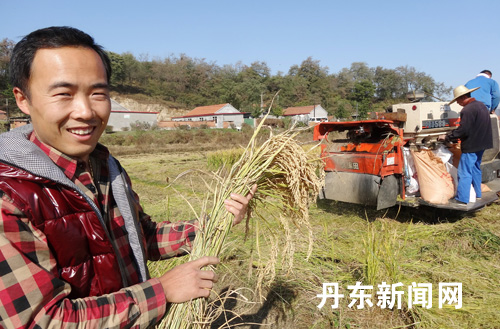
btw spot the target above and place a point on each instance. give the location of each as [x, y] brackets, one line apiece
[245, 127]
[287, 122]
[4, 125]
[301, 124]
[140, 125]
[183, 127]
[116, 139]
[275, 123]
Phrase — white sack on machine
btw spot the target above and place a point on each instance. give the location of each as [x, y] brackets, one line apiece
[454, 175]
[411, 182]
[436, 184]
[443, 153]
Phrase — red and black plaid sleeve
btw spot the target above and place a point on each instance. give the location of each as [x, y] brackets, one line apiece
[32, 295]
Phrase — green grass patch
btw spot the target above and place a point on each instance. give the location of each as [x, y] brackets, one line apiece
[223, 158]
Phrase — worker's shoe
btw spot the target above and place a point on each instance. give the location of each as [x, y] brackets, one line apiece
[457, 202]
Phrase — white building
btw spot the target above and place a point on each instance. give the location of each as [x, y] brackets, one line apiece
[121, 118]
[219, 114]
[315, 113]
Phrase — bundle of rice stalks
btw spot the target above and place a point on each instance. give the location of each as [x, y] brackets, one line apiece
[287, 181]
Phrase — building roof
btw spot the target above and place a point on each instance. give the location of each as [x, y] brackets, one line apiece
[133, 112]
[205, 110]
[211, 110]
[191, 124]
[115, 107]
[298, 110]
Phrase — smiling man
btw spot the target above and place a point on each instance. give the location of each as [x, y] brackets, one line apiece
[74, 240]
[67, 99]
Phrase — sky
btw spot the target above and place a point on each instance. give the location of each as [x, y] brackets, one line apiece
[450, 40]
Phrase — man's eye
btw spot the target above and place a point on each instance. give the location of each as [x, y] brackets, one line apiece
[100, 95]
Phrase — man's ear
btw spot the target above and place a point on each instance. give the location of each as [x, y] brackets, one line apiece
[21, 100]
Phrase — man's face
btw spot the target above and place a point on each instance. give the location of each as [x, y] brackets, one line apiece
[461, 100]
[69, 100]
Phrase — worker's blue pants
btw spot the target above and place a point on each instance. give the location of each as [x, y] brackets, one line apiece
[469, 172]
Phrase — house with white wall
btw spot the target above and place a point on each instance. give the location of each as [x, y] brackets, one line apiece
[219, 114]
[306, 114]
[121, 118]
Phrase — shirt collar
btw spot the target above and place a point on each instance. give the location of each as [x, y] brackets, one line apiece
[469, 100]
[68, 164]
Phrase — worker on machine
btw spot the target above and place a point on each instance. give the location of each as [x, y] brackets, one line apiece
[475, 135]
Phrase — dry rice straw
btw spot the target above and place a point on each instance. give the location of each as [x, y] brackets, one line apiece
[286, 178]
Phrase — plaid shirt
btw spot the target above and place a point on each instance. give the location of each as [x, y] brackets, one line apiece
[31, 296]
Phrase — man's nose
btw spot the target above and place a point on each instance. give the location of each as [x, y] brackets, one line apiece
[83, 108]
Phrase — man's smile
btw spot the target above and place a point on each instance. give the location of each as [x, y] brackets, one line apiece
[81, 131]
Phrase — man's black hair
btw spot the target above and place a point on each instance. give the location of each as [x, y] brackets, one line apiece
[48, 38]
[487, 72]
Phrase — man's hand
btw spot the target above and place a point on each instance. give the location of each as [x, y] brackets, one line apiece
[188, 281]
[441, 137]
[238, 204]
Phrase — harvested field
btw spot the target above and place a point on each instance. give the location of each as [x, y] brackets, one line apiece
[351, 244]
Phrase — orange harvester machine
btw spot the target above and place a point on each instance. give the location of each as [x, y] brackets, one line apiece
[364, 161]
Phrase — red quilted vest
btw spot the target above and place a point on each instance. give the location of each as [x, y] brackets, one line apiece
[85, 256]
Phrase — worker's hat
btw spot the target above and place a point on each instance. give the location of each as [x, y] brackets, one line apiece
[460, 91]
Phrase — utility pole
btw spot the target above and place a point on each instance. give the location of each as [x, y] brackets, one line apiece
[261, 102]
[8, 113]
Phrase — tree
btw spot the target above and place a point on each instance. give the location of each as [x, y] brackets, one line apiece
[347, 78]
[307, 84]
[361, 72]
[251, 85]
[6, 95]
[117, 68]
[131, 68]
[362, 96]
[387, 84]
[413, 81]
[309, 69]
[6, 47]
[222, 85]
[340, 108]
[188, 82]
[345, 82]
